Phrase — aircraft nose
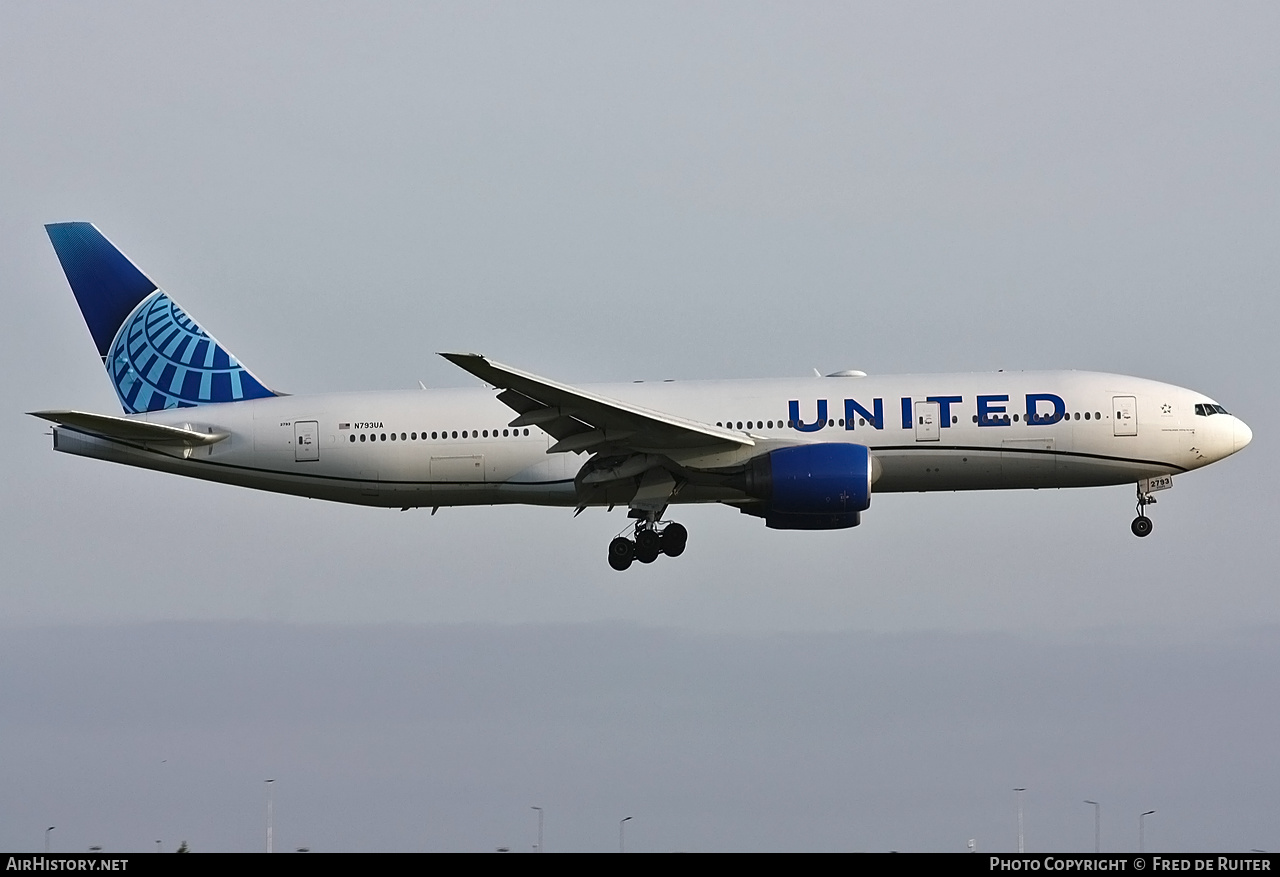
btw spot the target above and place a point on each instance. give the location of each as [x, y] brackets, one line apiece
[1243, 434]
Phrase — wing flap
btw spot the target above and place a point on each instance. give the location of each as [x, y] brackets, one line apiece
[519, 401]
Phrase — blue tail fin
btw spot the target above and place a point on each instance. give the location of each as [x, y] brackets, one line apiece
[156, 356]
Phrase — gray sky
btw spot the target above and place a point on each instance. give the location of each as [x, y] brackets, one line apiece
[608, 192]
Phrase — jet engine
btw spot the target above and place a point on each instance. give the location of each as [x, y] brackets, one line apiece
[811, 487]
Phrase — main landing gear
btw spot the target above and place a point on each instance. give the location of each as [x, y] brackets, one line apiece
[1141, 525]
[648, 543]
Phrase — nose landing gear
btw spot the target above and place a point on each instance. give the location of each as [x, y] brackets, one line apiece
[1142, 525]
[649, 542]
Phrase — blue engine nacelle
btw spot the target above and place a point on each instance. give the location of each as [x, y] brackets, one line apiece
[811, 487]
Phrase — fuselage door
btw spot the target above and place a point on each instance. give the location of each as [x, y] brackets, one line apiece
[306, 440]
[1126, 409]
[462, 468]
[928, 416]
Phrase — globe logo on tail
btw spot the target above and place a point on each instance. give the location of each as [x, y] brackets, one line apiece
[161, 358]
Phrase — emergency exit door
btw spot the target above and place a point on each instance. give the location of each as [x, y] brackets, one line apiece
[1125, 409]
[928, 415]
[306, 440]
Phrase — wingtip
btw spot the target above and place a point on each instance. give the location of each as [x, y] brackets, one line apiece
[460, 358]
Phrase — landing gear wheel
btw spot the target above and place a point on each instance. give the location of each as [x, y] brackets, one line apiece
[1142, 525]
[648, 545]
[647, 553]
[674, 539]
[621, 553]
[647, 540]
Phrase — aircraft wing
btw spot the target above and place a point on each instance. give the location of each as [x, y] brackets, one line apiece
[583, 421]
[126, 429]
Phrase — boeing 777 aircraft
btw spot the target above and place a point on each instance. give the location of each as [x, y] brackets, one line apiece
[803, 454]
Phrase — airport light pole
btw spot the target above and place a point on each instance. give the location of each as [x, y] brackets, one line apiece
[1097, 826]
[539, 809]
[1141, 839]
[1021, 846]
[46, 838]
[270, 785]
[622, 847]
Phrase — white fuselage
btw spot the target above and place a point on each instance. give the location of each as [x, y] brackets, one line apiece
[935, 432]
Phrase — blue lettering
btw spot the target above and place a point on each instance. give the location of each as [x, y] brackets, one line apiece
[944, 407]
[986, 410]
[1033, 403]
[852, 409]
[793, 408]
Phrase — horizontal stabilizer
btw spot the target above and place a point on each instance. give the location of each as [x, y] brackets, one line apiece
[126, 429]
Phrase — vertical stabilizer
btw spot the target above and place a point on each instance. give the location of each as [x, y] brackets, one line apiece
[155, 354]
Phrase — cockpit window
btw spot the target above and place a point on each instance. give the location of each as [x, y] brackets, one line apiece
[1206, 409]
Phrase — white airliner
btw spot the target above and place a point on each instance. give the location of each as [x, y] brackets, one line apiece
[802, 454]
